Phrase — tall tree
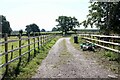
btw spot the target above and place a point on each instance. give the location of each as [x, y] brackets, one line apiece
[67, 23]
[105, 16]
[5, 25]
[43, 30]
[32, 28]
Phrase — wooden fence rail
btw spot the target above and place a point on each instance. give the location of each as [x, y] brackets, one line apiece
[34, 40]
[103, 41]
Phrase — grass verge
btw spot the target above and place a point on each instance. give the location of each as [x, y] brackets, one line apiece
[108, 59]
[28, 69]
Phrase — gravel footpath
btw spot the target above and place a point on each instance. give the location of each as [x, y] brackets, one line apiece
[64, 61]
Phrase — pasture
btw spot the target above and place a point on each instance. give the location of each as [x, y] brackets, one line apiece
[20, 51]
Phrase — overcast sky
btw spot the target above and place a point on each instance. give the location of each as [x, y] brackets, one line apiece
[42, 12]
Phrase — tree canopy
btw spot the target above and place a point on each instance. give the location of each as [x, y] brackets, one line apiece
[55, 29]
[20, 31]
[5, 25]
[105, 16]
[32, 28]
[66, 23]
[43, 30]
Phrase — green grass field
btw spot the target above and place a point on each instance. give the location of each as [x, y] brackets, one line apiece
[25, 69]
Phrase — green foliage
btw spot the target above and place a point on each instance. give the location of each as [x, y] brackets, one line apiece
[26, 69]
[111, 56]
[43, 30]
[31, 68]
[109, 59]
[66, 23]
[21, 31]
[105, 16]
[55, 29]
[32, 28]
[5, 25]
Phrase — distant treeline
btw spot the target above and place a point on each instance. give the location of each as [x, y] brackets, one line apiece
[57, 32]
[88, 30]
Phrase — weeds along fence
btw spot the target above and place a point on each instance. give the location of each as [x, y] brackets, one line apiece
[111, 43]
[21, 42]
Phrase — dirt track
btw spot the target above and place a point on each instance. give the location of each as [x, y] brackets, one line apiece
[64, 61]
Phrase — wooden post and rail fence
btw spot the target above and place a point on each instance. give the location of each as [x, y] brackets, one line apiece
[37, 41]
[111, 43]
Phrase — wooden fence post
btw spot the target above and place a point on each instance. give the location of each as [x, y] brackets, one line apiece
[38, 41]
[112, 40]
[47, 38]
[6, 50]
[11, 52]
[98, 39]
[28, 47]
[20, 47]
[41, 39]
[44, 38]
[34, 44]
